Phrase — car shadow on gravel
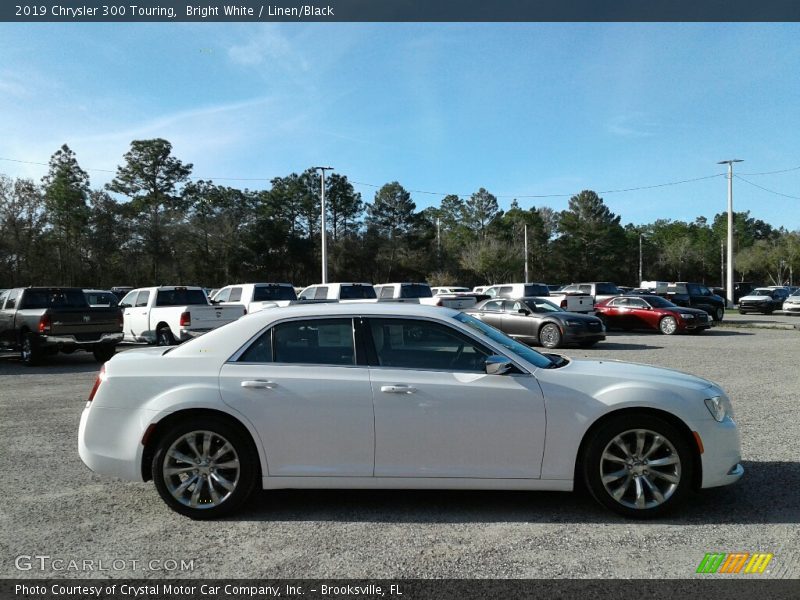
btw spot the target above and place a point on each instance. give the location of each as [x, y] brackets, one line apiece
[766, 494]
[79, 362]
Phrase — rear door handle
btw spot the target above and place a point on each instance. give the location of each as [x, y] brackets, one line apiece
[398, 389]
[259, 384]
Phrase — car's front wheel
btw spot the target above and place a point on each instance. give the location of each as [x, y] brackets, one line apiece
[204, 468]
[550, 335]
[668, 325]
[639, 466]
[719, 314]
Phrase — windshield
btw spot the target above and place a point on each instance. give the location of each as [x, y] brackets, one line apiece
[415, 290]
[521, 350]
[542, 306]
[273, 292]
[761, 293]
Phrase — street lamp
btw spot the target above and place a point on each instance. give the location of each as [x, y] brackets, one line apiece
[324, 240]
[730, 225]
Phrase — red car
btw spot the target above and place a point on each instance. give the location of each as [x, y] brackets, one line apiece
[651, 312]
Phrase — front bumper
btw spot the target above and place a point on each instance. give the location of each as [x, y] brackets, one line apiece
[582, 333]
[722, 454]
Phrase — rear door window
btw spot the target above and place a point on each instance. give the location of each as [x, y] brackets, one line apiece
[314, 341]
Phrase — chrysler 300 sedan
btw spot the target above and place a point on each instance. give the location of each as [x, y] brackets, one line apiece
[399, 396]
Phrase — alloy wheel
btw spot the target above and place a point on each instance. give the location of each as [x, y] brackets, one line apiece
[640, 469]
[201, 469]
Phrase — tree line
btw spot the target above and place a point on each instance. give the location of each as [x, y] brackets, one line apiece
[162, 227]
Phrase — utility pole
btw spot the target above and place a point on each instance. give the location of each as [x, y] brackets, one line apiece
[526, 253]
[641, 277]
[729, 286]
[324, 240]
[722, 264]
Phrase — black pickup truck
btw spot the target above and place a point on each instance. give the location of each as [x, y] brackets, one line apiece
[38, 321]
[696, 295]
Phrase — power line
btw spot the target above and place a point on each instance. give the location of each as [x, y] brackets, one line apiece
[773, 172]
[766, 189]
[513, 196]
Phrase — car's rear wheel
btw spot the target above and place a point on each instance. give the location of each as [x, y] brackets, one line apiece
[164, 337]
[31, 353]
[719, 314]
[204, 468]
[104, 352]
[668, 325]
[639, 466]
[550, 335]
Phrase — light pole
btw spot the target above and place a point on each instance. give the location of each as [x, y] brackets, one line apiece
[729, 285]
[526, 253]
[641, 277]
[324, 240]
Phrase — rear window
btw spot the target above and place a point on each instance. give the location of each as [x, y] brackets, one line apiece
[534, 289]
[273, 292]
[101, 298]
[607, 289]
[180, 297]
[414, 290]
[351, 292]
[53, 298]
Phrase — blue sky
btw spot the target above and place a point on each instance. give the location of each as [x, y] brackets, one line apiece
[520, 109]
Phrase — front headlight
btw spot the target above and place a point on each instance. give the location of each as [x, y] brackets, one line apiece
[687, 315]
[573, 323]
[719, 407]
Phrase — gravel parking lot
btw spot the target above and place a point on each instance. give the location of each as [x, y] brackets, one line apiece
[54, 506]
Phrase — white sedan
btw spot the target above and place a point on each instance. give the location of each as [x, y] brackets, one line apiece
[399, 396]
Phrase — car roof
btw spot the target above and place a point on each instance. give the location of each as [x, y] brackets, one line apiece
[226, 339]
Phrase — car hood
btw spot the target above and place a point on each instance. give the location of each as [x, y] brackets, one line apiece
[572, 316]
[595, 376]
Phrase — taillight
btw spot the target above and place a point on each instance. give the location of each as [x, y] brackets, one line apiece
[244, 311]
[439, 303]
[120, 321]
[186, 319]
[44, 324]
[101, 377]
[564, 303]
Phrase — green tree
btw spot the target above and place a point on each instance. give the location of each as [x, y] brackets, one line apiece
[391, 216]
[479, 211]
[66, 188]
[151, 177]
[592, 242]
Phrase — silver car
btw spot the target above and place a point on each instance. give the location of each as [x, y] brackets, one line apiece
[792, 304]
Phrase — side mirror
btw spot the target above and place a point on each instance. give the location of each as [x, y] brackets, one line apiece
[498, 365]
[524, 311]
[123, 305]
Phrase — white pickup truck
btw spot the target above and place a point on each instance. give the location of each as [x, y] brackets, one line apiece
[422, 293]
[170, 314]
[574, 302]
[255, 296]
[342, 292]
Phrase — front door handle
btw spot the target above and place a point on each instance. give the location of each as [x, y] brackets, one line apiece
[398, 389]
[259, 384]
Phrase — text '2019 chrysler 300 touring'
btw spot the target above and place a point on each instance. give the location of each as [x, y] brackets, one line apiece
[399, 396]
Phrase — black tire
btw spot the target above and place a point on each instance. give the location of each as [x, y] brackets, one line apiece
[668, 325]
[675, 473]
[550, 335]
[164, 337]
[104, 353]
[242, 478]
[742, 312]
[30, 353]
[719, 314]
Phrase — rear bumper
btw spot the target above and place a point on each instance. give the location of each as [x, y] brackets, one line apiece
[55, 340]
[189, 334]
